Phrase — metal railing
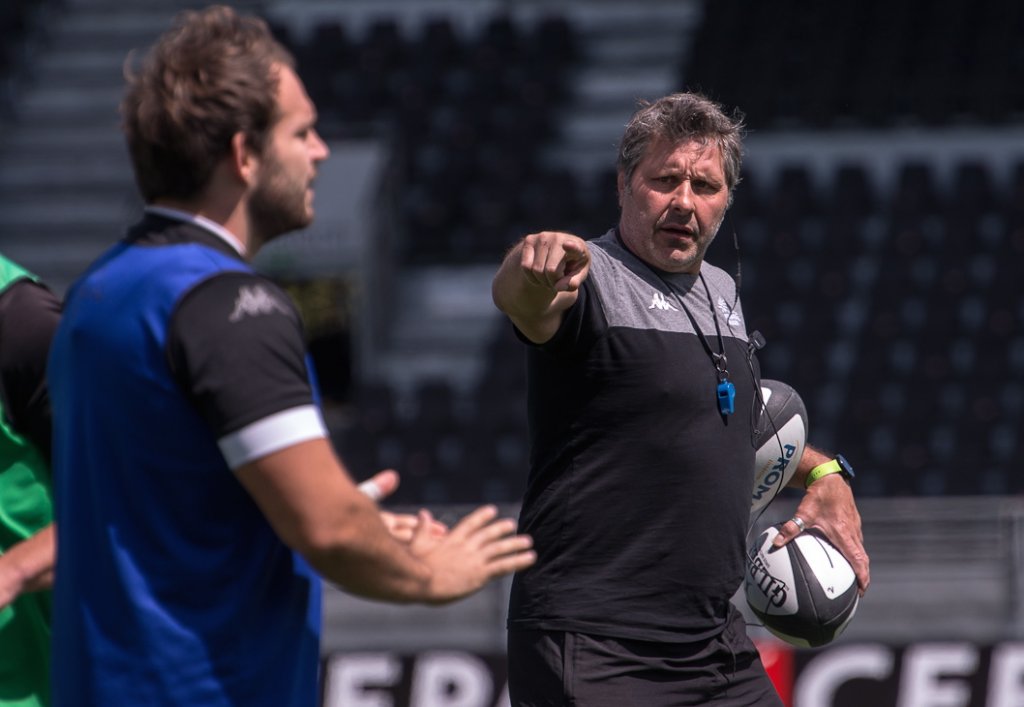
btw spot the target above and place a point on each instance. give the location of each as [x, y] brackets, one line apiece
[942, 569]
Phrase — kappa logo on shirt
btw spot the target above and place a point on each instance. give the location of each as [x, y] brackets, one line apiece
[733, 317]
[659, 302]
[253, 301]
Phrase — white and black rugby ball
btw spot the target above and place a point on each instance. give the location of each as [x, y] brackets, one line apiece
[804, 592]
[779, 442]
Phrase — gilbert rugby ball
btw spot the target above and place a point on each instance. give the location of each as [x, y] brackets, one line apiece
[779, 443]
[804, 592]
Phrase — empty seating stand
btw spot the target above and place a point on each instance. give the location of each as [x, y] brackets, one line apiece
[801, 64]
[897, 312]
[466, 112]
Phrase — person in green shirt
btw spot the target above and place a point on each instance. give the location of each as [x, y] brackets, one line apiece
[29, 313]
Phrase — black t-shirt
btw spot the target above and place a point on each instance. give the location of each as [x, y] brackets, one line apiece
[29, 315]
[638, 495]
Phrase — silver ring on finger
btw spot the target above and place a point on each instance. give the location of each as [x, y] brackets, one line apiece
[799, 523]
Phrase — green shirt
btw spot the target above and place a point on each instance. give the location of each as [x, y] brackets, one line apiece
[25, 509]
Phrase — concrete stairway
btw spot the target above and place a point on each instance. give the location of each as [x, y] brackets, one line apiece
[632, 51]
[66, 188]
[629, 51]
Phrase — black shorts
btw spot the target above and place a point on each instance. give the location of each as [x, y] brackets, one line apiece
[558, 668]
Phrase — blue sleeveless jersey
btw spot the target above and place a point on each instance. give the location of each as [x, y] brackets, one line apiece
[171, 587]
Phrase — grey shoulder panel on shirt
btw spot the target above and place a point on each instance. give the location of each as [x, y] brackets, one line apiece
[635, 296]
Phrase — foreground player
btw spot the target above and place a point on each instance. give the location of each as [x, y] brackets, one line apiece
[29, 313]
[205, 496]
[641, 392]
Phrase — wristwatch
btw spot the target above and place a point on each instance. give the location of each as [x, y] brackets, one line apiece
[838, 465]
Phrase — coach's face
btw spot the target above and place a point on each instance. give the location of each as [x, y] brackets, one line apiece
[673, 204]
[282, 196]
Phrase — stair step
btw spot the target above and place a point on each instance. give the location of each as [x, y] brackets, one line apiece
[82, 67]
[602, 18]
[104, 168]
[71, 101]
[118, 29]
[59, 219]
[615, 88]
[34, 138]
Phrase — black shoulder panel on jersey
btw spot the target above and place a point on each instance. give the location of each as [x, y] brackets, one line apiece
[236, 347]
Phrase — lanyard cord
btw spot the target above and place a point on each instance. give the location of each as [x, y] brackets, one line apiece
[720, 361]
[725, 391]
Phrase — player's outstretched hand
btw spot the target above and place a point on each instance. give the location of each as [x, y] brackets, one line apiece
[557, 260]
[479, 548]
[402, 526]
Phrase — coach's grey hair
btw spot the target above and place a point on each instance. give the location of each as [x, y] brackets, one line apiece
[681, 117]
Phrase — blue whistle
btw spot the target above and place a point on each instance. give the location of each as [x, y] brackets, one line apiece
[726, 397]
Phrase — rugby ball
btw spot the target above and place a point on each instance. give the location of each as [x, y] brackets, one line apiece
[804, 592]
[779, 441]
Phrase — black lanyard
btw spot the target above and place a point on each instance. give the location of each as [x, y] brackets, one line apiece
[725, 391]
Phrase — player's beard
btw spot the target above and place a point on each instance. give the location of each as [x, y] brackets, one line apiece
[278, 203]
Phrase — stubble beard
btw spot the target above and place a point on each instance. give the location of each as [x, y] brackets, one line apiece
[277, 207]
[700, 248]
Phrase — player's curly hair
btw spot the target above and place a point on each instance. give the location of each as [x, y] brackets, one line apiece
[681, 117]
[214, 74]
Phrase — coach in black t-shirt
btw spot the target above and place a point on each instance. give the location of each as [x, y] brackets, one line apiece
[642, 384]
